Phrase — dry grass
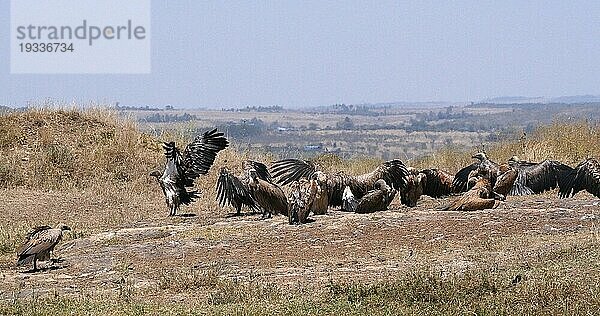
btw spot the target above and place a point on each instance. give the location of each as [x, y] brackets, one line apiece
[565, 141]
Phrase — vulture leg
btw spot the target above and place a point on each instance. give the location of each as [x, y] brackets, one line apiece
[34, 263]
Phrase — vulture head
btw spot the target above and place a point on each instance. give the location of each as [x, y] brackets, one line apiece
[480, 156]
[414, 187]
[514, 159]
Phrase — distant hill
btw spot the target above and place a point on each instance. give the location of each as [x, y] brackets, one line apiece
[576, 99]
[562, 99]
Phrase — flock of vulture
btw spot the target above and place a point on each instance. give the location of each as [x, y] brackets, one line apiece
[296, 188]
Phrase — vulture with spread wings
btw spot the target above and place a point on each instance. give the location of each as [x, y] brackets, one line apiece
[39, 243]
[586, 176]
[536, 177]
[431, 182]
[235, 191]
[393, 172]
[182, 169]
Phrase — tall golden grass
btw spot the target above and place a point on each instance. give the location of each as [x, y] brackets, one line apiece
[567, 141]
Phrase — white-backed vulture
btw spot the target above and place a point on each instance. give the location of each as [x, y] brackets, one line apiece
[39, 243]
[461, 181]
[235, 190]
[306, 196]
[479, 197]
[586, 176]
[375, 200]
[431, 182]
[269, 196]
[393, 172]
[535, 178]
[182, 169]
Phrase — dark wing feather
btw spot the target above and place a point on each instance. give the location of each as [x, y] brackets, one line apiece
[290, 170]
[437, 183]
[261, 169]
[232, 191]
[544, 176]
[586, 176]
[461, 179]
[395, 174]
[519, 186]
[200, 154]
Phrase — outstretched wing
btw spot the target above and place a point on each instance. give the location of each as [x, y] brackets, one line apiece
[290, 170]
[461, 179]
[539, 177]
[232, 191]
[200, 154]
[261, 169]
[586, 176]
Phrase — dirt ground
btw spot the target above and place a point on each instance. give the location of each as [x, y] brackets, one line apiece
[151, 255]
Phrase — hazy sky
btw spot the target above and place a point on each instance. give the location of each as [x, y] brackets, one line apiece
[294, 53]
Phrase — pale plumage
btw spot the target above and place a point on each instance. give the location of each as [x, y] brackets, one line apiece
[39, 243]
[479, 197]
[269, 196]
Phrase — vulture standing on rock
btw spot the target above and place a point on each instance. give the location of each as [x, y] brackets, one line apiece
[182, 169]
[375, 200]
[431, 182]
[289, 170]
[586, 176]
[235, 190]
[535, 178]
[39, 243]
